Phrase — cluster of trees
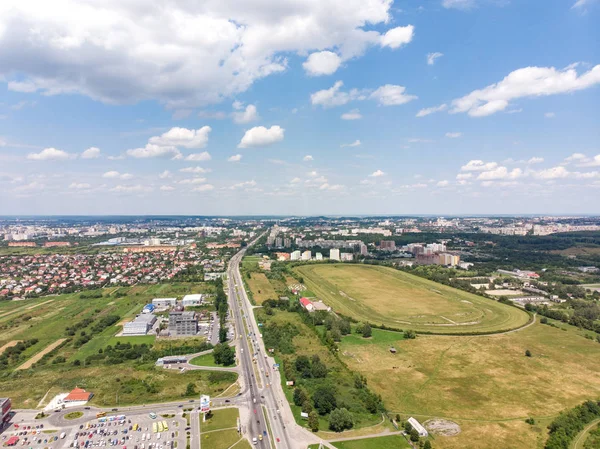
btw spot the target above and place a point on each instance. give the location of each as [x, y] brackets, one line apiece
[224, 354]
[310, 368]
[12, 354]
[577, 319]
[280, 337]
[364, 329]
[564, 428]
[337, 327]
[221, 306]
[71, 330]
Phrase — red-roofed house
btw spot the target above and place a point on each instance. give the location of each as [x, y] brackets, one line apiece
[305, 302]
[78, 394]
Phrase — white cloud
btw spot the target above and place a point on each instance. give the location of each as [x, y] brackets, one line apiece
[443, 183]
[478, 165]
[138, 188]
[180, 114]
[167, 188]
[549, 115]
[234, 158]
[79, 185]
[184, 56]
[535, 160]
[182, 137]
[453, 135]
[194, 170]
[431, 57]
[91, 153]
[591, 162]
[580, 4]
[308, 158]
[49, 154]
[312, 174]
[116, 175]
[464, 176]
[353, 114]
[237, 105]
[203, 188]
[377, 174]
[166, 174]
[259, 136]
[458, 4]
[250, 114]
[320, 179]
[192, 181]
[356, 143]
[198, 157]
[243, 185]
[419, 140]
[427, 111]
[331, 187]
[522, 83]
[154, 151]
[397, 37]
[392, 95]
[334, 96]
[212, 115]
[552, 173]
[322, 63]
[295, 181]
[500, 173]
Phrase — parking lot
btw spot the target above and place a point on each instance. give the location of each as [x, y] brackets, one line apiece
[142, 430]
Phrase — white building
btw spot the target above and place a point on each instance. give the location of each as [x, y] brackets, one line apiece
[334, 254]
[346, 257]
[192, 300]
[164, 302]
[306, 255]
[319, 256]
[140, 325]
[295, 255]
[418, 427]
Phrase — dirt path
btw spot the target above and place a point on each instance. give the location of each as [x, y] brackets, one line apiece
[10, 344]
[41, 354]
[40, 304]
[579, 441]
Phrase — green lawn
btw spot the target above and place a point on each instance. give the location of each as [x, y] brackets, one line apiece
[384, 296]
[204, 360]
[220, 419]
[386, 442]
[223, 439]
[211, 435]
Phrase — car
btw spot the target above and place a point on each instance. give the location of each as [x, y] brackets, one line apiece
[227, 400]
[115, 409]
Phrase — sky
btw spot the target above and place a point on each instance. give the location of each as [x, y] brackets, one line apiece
[300, 107]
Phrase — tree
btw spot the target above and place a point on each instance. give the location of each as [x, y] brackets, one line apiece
[410, 334]
[318, 368]
[190, 390]
[324, 399]
[300, 396]
[427, 445]
[223, 354]
[344, 326]
[302, 365]
[414, 435]
[313, 421]
[360, 381]
[307, 406]
[223, 334]
[340, 419]
[528, 353]
[366, 332]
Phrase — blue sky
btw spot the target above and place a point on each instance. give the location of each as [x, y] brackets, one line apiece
[300, 107]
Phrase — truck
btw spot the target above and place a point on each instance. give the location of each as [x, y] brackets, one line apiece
[100, 414]
[63, 435]
[254, 440]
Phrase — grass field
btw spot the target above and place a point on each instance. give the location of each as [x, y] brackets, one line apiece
[261, 288]
[484, 383]
[382, 295]
[386, 442]
[204, 360]
[220, 431]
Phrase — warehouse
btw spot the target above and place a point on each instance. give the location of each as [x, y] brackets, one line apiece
[418, 427]
[192, 300]
[140, 325]
[164, 302]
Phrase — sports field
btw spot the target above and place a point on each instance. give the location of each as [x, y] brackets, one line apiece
[483, 383]
[381, 295]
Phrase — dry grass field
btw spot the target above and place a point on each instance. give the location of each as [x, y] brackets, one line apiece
[400, 300]
[261, 288]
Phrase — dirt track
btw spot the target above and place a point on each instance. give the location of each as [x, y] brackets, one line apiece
[41, 354]
[10, 344]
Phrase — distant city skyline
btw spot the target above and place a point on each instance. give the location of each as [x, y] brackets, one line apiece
[384, 108]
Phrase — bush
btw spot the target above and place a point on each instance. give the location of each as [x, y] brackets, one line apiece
[340, 420]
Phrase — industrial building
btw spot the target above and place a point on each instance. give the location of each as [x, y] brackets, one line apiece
[183, 323]
[140, 325]
[148, 308]
[192, 300]
[164, 302]
[418, 427]
[5, 407]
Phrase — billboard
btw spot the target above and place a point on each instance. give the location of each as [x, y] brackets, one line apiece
[205, 404]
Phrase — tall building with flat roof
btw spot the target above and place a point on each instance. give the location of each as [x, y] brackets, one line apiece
[306, 255]
[334, 254]
[183, 323]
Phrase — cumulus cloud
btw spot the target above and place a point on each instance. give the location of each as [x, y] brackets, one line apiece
[49, 154]
[295, 181]
[444, 183]
[322, 63]
[259, 136]
[79, 186]
[353, 114]
[552, 173]
[182, 137]
[499, 173]
[116, 175]
[427, 111]
[234, 158]
[250, 114]
[431, 57]
[334, 96]
[356, 143]
[397, 37]
[196, 169]
[392, 95]
[331, 187]
[453, 135]
[377, 174]
[125, 189]
[203, 188]
[91, 153]
[307, 158]
[192, 181]
[478, 165]
[166, 174]
[185, 55]
[167, 188]
[243, 185]
[154, 151]
[199, 157]
[458, 4]
[535, 160]
[464, 176]
[522, 83]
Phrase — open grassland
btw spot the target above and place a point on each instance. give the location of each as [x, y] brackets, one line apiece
[384, 296]
[261, 287]
[484, 383]
[219, 431]
[386, 442]
[220, 419]
[112, 385]
[204, 360]
[29, 363]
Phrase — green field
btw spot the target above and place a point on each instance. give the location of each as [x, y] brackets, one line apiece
[386, 442]
[484, 383]
[220, 419]
[384, 296]
[204, 360]
[220, 430]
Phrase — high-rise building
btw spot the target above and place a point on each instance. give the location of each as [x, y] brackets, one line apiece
[295, 255]
[287, 242]
[334, 254]
[279, 242]
[346, 257]
[306, 255]
[318, 256]
[387, 245]
[363, 249]
[183, 323]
